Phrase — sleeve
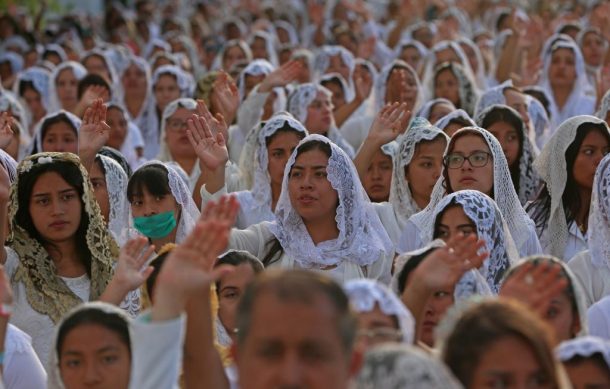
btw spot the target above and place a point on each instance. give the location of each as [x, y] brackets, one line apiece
[135, 135]
[579, 267]
[386, 214]
[22, 368]
[207, 196]
[251, 110]
[410, 238]
[156, 364]
[131, 303]
[253, 239]
[598, 317]
[381, 270]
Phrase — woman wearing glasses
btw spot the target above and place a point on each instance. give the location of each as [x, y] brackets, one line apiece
[474, 160]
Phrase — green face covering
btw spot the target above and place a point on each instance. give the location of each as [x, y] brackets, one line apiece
[156, 226]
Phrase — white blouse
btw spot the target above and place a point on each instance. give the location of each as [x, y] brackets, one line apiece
[250, 211]
[595, 281]
[22, 368]
[576, 242]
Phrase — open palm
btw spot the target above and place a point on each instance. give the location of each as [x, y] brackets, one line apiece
[210, 149]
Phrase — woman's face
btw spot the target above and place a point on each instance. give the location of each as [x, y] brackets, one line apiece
[509, 139]
[336, 65]
[592, 150]
[562, 71]
[60, 137]
[98, 181]
[375, 327]
[593, 49]
[439, 110]
[401, 87]
[517, 101]
[446, 85]
[147, 204]
[278, 151]
[232, 286]
[446, 55]
[66, 86]
[134, 79]
[94, 356]
[232, 55]
[588, 373]
[34, 102]
[96, 65]
[118, 128]
[338, 98]
[424, 170]
[468, 176]
[454, 221]
[562, 317]
[175, 134]
[55, 208]
[411, 56]
[259, 49]
[311, 194]
[319, 114]
[509, 362]
[304, 73]
[378, 177]
[166, 90]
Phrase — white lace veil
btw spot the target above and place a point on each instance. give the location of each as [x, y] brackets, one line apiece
[599, 216]
[115, 82]
[365, 293]
[382, 80]
[40, 78]
[396, 366]
[185, 81]
[400, 193]
[116, 186]
[443, 122]
[74, 120]
[258, 67]
[529, 182]
[362, 238]
[270, 44]
[604, 106]
[218, 60]
[322, 61]
[517, 220]
[491, 227]
[426, 109]
[585, 347]
[551, 166]
[492, 96]
[467, 87]
[79, 72]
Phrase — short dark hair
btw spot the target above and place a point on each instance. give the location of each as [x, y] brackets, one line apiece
[301, 287]
[153, 177]
[236, 258]
[410, 267]
[90, 80]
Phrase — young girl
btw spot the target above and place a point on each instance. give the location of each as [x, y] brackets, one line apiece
[32, 86]
[57, 132]
[63, 88]
[452, 82]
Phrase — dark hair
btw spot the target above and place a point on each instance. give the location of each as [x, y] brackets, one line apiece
[459, 121]
[90, 80]
[409, 267]
[541, 97]
[512, 118]
[153, 178]
[60, 117]
[236, 258]
[111, 321]
[286, 128]
[70, 173]
[450, 67]
[333, 80]
[118, 158]
[24, 85]
[275, 249]
[297, 287]
[597, 358]
[541, 207]
[568, 27]
[488, 322]
[157, 264]
[437, 222]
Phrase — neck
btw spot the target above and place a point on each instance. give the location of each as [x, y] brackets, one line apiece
[186, 163]
[171, 238]
[134, 103]
[65, 258]
[421, 201]
[582, 218]
[276, 189]
[561, 95]
[322, 230]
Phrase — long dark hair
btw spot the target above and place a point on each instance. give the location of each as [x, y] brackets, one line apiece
[275, 249]
[70, 173]
[512, 118]
[571, 201]
[152, 177]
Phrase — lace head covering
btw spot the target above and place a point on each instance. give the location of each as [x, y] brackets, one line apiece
[104, 56]
[426, 109]
[185, 81]
[479, 74]
[466, 86]
[219, 59]
[183, 196]
[400, 194]
[362, 238]
[322, 62]
[57, 49]
[79, 72]
[364, 294]
[258, 67]
[14, 59]
[580, 39]
[382, 81]
[584, 347]
[38, 135]
[54, 380]
[301, 97]
[269, 45]
[443, 122]
[410, 42]
[599, 216]
[45, 291]
[604, 106]
[540, 121]
[432, 62]
[293, 37]
[186, 103]
[551, 166]
[491, 227]
[116, 185]
[396, 366]
[517, 220]
[529, 182]
[492, 96]
[40, 78]
[574, 290]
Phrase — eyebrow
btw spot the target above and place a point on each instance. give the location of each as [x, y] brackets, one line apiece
[228, 287]
[312, 167]
[48, 193]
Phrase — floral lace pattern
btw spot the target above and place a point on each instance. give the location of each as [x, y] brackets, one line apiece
[599, 216]
[116, 185]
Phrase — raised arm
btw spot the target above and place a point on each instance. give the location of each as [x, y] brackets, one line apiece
[93, 133]
[5, 185]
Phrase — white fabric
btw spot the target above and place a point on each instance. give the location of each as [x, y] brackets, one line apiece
[217, 64]
[116, 186]
[400, 194]
[443, 122]
[382, 81]
[599, 216]
[418, 230]
[79, 72]
[185, 81]
[115, 84]
[41, 79]
[365, 294]
[322, 61]
[492, 96]
[540, 122]
[604, 106]
[586, 347]
[258, 67]
[467, 89]
[594, 280]
[427, 108]
[551, 167]
[133, 138]
[598, 316]
[37, 141]
[21, 368]
[270, 44]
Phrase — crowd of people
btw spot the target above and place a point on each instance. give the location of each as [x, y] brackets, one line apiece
[306, 194]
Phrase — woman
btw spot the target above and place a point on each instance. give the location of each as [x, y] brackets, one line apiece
[474, 160]
[594, 47]
[262, 46]
[336, 59]
[564, 78]
[162, 208]
[123, 135]
[63, 88]
[567, 166]
[499, 343]
[57, 132]
[454, 121]
[413, 53]
[382, 317]
[275, 142]
[320, 227]
[587, 361]
[233, 51]
[592, 267]
[451, 81]
[435, 109]
[32, 86]
[507, 126]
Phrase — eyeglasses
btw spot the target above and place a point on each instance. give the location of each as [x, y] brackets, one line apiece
[175, 124]
[476, 159]
[379, 335]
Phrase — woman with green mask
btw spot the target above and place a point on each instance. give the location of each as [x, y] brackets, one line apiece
[161, 204]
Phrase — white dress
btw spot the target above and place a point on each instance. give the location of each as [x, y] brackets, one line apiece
[595, 281]
[22, 368]
[576, 242]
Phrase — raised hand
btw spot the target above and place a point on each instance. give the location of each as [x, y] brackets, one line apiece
[94, 130]
[217, 123]
[6, 133]
[387, 124]
[225, 96]
[210, 149]
[224, 212]
[363, 87]
[281, 76]
[5, 186]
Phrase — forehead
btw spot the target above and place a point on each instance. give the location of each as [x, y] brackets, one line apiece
[312, 158]
[181, 113]
[469, 142]
[321, 96]
[42, 183]
[60, 128]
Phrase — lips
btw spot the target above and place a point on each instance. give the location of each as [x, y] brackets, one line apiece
[306, 199]
[377, 188]
[58, 224]
[467, 180]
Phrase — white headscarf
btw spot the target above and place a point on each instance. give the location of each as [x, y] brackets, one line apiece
[270, 44]
[40, 78]
[217, 64]
[467, 88]
[443, 122]
[79, 72]
[258, 67]
[73, 119]
[116, 186]
[382, 80]
[551, 166]
[185, 81]
[604, 106]
[323, 60]
[362, 238]
[400, 194]
[364, 294]
[186, 103]
[584, 347]
[599, 216]
[426, 109]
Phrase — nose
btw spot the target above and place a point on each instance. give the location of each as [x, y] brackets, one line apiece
[57, 208]
[149, 209]
[375, 173]
[306, 181]
[92, 374]
[291, 372]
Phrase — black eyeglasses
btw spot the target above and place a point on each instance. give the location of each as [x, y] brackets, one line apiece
[476, 159]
